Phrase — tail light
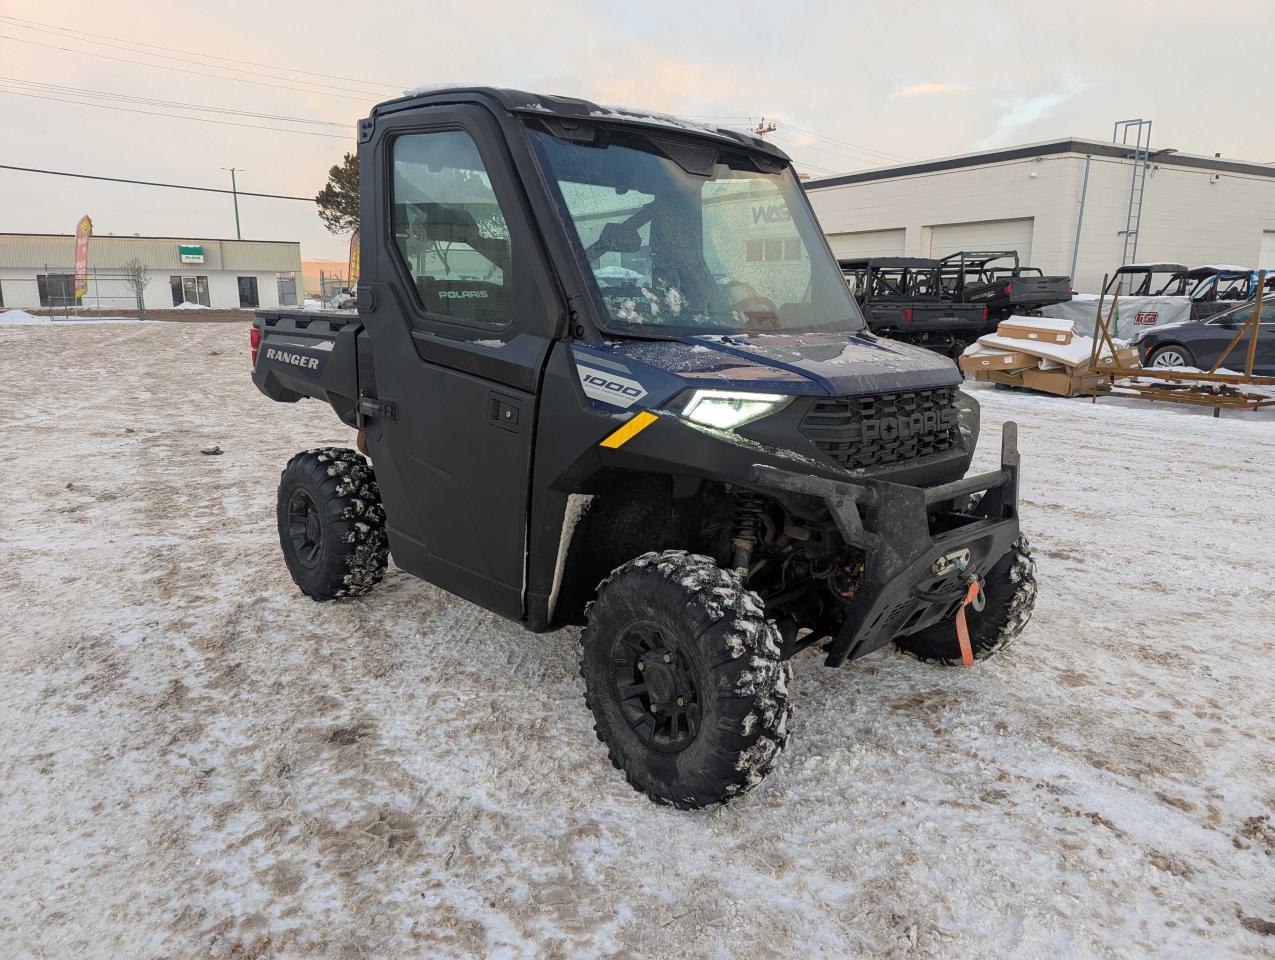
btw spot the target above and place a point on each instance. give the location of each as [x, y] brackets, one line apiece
[1009, 289]
[984, 316]
[907, 314]
[254, 342]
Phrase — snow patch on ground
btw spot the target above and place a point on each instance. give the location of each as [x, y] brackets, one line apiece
[199, 762]
[20, 318]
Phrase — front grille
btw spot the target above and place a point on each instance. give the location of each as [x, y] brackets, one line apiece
[861, 433]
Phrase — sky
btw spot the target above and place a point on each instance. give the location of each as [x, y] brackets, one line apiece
[848, 85]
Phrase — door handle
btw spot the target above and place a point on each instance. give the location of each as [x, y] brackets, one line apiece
[504, 411]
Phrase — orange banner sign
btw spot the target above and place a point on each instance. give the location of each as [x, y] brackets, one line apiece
[83, 230]
[353, 272]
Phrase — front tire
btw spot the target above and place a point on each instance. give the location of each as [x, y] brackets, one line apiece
[683, 675]
[331, 524]
[1171, 355]
[1010, 594]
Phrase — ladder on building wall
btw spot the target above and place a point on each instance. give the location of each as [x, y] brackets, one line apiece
[1136, 135]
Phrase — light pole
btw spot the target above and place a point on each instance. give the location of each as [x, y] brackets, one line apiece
[234, 190]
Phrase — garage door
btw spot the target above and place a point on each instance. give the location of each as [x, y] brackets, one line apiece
[948, 238]
[1266, 258]
[867, 243]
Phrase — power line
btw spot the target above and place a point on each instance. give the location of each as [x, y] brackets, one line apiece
[153, 183]
[176, 116]
[160, 66]
[43, 87]
[846, 143]
[165, 56]
[795, 143]
[206, 56]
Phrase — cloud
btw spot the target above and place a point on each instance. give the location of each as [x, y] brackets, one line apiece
[1020, 111]
[929, 90]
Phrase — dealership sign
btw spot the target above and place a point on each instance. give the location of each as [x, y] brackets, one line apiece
[191, 254]
[83, 230]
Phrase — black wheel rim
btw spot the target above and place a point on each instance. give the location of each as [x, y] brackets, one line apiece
[305, 529]
[655, 687]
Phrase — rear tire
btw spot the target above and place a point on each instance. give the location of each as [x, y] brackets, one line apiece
[331, 524]
[683, 676]
[1010, 592]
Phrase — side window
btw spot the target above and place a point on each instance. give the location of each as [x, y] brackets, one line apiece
[449, 229]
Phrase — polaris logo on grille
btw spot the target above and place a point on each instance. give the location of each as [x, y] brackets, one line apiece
[909, 425]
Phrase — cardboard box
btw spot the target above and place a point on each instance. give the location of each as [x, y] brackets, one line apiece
[999, 360]
[1039, 329]
[1128, 357]
[1061, 383]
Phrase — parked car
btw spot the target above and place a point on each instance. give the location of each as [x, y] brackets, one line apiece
[1199, 343]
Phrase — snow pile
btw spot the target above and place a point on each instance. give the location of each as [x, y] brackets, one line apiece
[187, 305]
[20, 318]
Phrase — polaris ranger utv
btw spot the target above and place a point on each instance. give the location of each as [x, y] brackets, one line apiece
[979, 277]
[589, 397]
[903, 298]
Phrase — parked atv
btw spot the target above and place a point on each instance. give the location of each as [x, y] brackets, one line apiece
[608, 373]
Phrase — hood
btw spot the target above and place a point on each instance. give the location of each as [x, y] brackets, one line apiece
[818, 364]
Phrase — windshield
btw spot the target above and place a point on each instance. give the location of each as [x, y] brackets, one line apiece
[727, 249]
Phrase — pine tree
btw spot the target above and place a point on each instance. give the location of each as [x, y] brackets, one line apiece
[339, 199]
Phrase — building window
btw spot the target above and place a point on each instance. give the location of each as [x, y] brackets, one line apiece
[57, 290]
[758, 251]
[248, 292]
[189, 290]
[287, 283]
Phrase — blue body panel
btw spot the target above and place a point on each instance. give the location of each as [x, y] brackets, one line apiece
[650, 373]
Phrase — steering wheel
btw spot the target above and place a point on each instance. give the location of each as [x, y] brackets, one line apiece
[754, 306]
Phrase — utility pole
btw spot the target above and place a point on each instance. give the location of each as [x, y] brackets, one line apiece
[764, 127]
[234, 190]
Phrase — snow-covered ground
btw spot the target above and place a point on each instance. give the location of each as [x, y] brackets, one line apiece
[197, 761]
[20, 318]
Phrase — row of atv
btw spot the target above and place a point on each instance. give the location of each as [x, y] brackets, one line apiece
[947, 304]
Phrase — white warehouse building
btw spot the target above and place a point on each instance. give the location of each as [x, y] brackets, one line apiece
[1196, 210]
[36, 270]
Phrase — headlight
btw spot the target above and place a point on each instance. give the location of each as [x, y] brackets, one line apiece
[728, 409]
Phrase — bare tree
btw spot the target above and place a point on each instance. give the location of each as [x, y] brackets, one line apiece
[137, 276]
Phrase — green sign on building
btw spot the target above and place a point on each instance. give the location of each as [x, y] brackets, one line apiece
[190, 254]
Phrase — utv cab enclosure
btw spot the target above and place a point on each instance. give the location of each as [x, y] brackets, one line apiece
[608, 374]
[996, 280]
[903, 298]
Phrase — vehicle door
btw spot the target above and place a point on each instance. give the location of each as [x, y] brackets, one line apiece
[1208, 340]
[1264, 362]
[461, 310]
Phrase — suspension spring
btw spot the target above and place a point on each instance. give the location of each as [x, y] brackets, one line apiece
[746, 531]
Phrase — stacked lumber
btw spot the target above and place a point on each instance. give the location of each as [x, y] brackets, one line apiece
[1045, 354]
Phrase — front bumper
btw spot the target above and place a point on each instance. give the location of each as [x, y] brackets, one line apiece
[905, 533]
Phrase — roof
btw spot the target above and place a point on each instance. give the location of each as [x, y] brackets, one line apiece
[573, 108]
[888, 263]
[1153, 268]
[1069, 145]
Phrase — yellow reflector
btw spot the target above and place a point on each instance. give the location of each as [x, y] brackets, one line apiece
[630, 430]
